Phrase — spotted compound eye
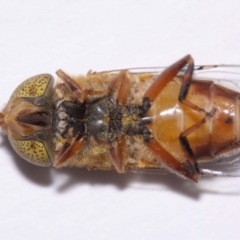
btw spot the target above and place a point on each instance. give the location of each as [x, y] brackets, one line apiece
[33, 87]
[32, 151]
[28, 117]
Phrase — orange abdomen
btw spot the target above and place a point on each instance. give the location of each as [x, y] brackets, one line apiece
[219, 133]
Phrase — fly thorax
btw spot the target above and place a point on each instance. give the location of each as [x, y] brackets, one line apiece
[70, 116]
[131, 119]
[98, 119]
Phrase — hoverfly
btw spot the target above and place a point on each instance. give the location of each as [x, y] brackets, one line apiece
[126, 120]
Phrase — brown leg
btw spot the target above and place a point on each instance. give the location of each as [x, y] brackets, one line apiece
[119, 154]
[81, 94]
[185, 86]
[186, 168]
[78, 92]
[116, 80]
[124, 88]
[193, 128]
[69, 149]
[168, 74]
[186, 146]
[116, 154]
[1, 119]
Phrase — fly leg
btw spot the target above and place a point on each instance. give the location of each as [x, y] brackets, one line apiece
[185, 169]
[80, 93]
[1, 119]
[168, 74]
[186, 146]
[124, 87]
[70, 148]
[118, 154]
[182, 98]
[189, 168]
[77, 91]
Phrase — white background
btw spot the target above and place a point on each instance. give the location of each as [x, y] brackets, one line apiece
[43, 36]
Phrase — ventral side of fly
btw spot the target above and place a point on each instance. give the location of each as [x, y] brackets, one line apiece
[125, 120]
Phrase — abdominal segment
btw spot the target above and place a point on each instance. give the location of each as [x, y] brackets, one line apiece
[220, 131]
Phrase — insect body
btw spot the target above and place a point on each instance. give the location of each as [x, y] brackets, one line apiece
[124, 121]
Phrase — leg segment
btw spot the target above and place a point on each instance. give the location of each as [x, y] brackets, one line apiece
[78, 92]
[123, 90]
[185, 86]
[81, 94]
[119, 154]
[185, 144]
[186, 168]
[69, 149]
[1, 119]
[166, 76]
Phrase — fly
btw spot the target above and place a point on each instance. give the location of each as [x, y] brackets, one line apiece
[126, 120]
